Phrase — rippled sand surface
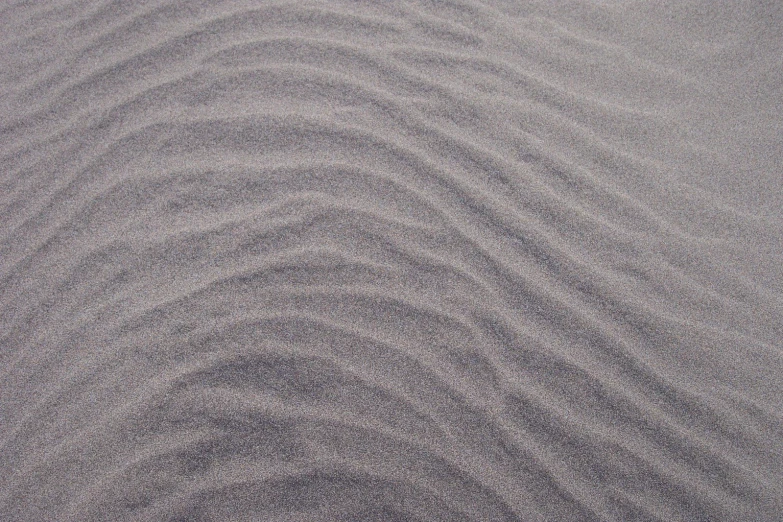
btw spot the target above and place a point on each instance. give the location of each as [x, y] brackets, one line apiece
[407, 260]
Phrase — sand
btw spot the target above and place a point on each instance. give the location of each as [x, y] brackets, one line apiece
[405, 260]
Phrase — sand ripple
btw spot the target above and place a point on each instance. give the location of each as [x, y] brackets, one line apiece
[428, 260]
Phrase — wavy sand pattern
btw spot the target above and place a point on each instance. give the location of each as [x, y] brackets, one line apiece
[406, 260]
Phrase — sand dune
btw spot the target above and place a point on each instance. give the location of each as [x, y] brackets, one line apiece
[406, 260]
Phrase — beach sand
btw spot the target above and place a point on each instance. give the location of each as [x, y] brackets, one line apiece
[406, 260]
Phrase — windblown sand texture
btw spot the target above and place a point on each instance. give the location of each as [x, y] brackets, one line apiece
[404, 260]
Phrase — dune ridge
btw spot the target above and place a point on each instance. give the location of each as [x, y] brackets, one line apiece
[405, 260]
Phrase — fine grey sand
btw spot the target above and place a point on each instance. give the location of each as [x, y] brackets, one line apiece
[406, 260]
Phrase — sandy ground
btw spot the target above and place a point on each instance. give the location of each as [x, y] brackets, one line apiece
[404, 260]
